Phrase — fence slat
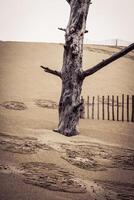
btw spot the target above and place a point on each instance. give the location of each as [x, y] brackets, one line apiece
[98, 107]
[122, 107]
[132, 118]
[103, 111]
[117, 108]
[108, 111]
[88, 107]
[113, 108]
[128, 108]
[93, 107]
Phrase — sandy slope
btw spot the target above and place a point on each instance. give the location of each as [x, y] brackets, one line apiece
[21, 77]
[35, 162]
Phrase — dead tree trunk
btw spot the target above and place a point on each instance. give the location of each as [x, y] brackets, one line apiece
[69, 105]
[71, 74]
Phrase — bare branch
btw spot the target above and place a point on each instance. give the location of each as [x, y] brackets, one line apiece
[109, 60]
[54, 72]
[62, 29]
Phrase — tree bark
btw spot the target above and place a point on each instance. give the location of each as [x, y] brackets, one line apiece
[69, 105]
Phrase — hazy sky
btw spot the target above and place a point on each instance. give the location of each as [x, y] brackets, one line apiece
[37, 20]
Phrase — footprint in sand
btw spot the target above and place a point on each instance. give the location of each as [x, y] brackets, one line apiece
[43, 103]
[97, 157]
[21, 145]
[51, 177]
[14, 105]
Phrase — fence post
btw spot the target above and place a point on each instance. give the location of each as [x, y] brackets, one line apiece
[103, 111]
[113, 108]
[98, 107]
[108, 114]
[122, 107]
[132, 118]
[93, 107]
[87, 107]
[128, 108]
[117, 108]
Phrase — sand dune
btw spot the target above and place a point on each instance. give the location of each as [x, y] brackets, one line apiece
[35, 162]
[21, 76]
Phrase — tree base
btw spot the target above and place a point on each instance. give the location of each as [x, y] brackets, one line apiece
[68, 134]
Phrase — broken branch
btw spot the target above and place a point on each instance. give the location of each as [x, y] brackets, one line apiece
[63, 29]
[54, 72]
[86, 31]
[109, 60]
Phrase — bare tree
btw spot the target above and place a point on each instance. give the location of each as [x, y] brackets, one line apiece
[71, 74]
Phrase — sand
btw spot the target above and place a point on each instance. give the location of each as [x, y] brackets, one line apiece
[37, 163]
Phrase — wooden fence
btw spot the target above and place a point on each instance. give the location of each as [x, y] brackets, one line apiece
[116, 108]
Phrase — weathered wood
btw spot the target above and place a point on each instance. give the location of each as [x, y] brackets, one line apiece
[114, 104]
[98, 107]
[122, 107]
[132, 117]
[103, 111]
[117, 108]
[88, 107]
[113, 108]
[69, 105]
[128, 108]
[54, 72]
[109, 60]
[108, 109]
[93, 107]
[63, 29]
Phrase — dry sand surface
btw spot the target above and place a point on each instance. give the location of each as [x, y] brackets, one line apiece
[37, 163]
